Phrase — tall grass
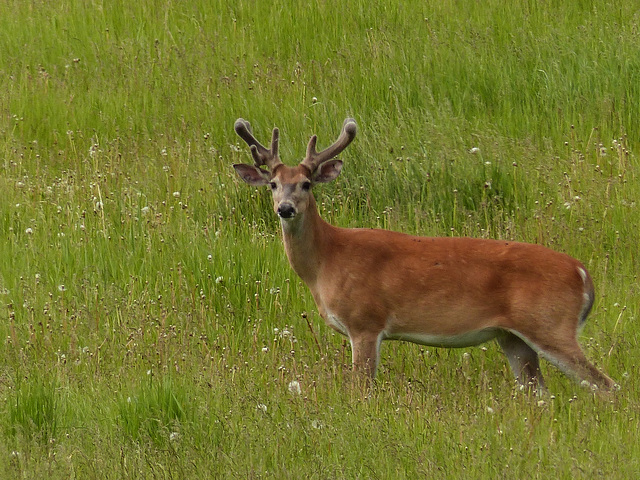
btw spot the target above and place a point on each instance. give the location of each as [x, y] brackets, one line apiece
[151, 325]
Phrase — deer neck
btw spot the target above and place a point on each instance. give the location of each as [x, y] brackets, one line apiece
[305, 238]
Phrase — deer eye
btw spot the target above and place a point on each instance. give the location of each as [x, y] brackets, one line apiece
[272, 185]
[306, 186]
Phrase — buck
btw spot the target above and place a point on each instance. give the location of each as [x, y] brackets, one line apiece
[373, 285]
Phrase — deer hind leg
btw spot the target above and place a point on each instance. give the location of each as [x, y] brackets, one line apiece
[569, 358]
[524, 362]
[563, 350]
[365, 353]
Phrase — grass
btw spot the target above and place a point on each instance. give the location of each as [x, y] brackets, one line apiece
[150, 323]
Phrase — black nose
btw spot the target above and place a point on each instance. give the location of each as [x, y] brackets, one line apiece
[286, 211]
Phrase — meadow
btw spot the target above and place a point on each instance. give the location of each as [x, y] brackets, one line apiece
[150, 325]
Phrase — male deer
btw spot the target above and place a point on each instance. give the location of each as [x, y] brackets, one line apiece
[373, 285]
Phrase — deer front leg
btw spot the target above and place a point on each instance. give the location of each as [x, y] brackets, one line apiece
[365, 353]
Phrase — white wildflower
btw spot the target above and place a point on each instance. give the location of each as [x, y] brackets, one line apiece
[474, 150]
[294, 387]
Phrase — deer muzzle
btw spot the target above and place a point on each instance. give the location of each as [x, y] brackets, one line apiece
[286, 210]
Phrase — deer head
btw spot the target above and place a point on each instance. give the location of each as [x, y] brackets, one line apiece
[291, 186]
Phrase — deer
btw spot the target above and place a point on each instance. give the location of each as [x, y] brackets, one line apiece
[373, 284]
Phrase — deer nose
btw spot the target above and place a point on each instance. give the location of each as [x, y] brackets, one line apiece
[286, 210]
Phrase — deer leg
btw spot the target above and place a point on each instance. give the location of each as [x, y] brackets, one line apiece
[523, 360]
[569, 358]
[563, 350]
[365, 353]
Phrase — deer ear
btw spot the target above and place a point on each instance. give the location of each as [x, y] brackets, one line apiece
[327, 171]
[252, 175]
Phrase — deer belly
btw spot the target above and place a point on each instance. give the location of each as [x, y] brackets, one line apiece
[466, 339]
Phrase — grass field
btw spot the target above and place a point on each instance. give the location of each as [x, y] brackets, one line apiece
[150, 325]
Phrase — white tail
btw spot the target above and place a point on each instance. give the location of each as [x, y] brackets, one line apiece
[373, 285]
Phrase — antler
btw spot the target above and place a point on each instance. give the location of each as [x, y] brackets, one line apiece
[261, 156]
[314, 159]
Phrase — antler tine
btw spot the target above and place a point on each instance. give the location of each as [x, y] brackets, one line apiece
[314, 159]
[261, 155]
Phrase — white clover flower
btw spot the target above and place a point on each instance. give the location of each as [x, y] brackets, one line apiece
[219, 279]
[61, 288]
[176, 194]
[145, 210]
[294, 387]
[474, 150]
[29, 231]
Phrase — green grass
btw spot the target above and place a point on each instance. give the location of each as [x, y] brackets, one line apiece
[150, 325]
